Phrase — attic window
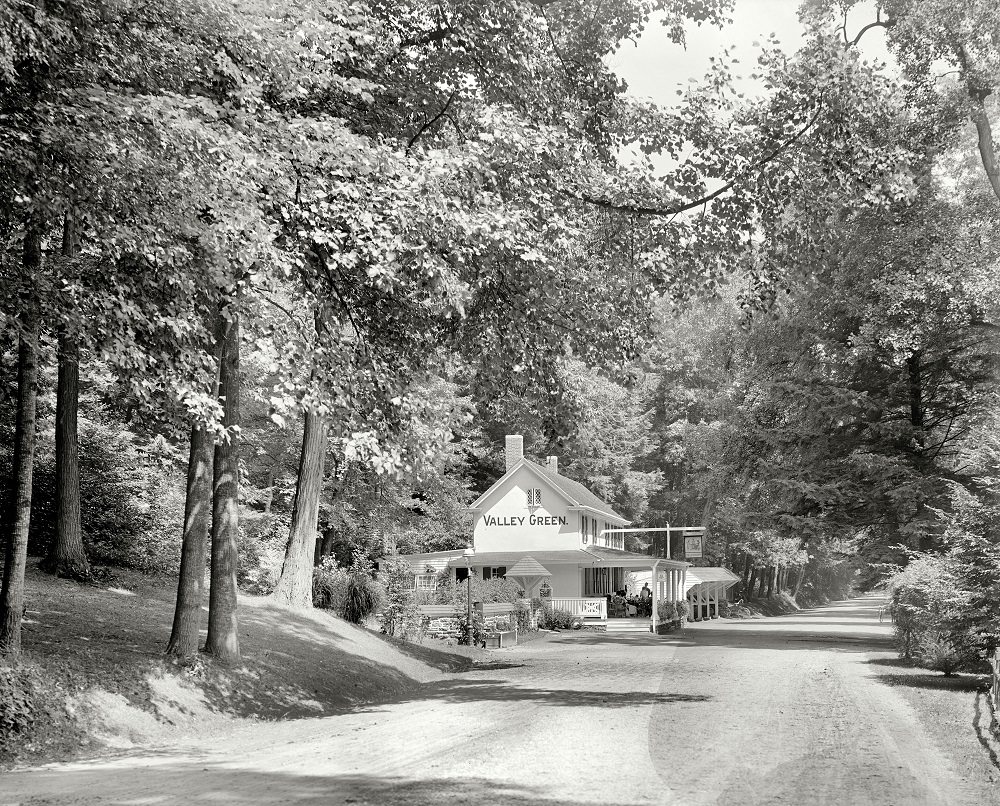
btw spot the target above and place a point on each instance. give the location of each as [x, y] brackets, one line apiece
[534, 497]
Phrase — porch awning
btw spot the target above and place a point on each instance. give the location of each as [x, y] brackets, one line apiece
[712, 580]
[592, 556]
[696, 575]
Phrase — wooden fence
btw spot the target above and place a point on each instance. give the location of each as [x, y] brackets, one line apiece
[995, 688]
[489, 609]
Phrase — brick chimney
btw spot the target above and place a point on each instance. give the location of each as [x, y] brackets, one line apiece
[514, 450]
[552, 464]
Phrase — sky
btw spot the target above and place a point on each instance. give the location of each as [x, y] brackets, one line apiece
[654, 66]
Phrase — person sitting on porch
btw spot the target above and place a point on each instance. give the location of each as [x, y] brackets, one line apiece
[617, 606]
[645, 593]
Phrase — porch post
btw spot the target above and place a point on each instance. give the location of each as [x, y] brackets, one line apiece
[655, 599]
[681, 595]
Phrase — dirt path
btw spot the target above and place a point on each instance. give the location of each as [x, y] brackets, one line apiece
[782, 711]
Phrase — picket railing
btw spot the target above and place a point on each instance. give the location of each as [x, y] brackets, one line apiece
[585, 607]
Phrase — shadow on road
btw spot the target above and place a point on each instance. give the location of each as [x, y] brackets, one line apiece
[199, 784]
[503, 691]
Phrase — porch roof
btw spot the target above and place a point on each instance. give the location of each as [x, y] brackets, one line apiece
[592, 556]
[698, 574]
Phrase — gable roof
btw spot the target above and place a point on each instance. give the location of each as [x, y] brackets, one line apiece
[528, 566]
[576, 492]
[573, 491]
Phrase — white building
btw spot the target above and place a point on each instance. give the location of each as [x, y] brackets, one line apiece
[554, 537]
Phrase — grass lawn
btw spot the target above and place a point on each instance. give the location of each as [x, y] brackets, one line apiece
[955, 712]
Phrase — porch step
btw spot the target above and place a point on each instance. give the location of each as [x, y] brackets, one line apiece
[628, 625]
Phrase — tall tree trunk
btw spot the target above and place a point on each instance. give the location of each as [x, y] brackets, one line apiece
[16, 541]
[772, 575]
[294, 586]
[913, 373]
[764, 574]
[194, 544]
[223, 627]
[752, 582]
[66, 556]
[324, 546]
[798, 581]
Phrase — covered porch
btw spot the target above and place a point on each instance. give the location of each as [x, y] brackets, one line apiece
[579, 581]
[610, 570]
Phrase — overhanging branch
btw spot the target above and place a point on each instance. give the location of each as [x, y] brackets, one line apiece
[690, 205]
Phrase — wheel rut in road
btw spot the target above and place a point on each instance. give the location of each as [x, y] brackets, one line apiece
[795, 717]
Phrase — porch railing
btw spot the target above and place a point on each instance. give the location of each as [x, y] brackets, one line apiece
[595, 608]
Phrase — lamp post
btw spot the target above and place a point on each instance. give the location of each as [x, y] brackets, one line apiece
[469, 553]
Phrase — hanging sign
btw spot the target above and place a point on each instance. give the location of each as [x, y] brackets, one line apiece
[694, 543]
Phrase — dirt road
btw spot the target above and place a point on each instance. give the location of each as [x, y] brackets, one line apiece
[779, 711]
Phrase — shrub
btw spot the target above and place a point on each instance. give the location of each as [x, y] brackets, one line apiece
[666, 610]
[487, 591]
[362, 597]
[558, 619]
[350, 593]
[929, 608]
[330, 585]
[19, 712]
[399, 614]
[682, 609]
[476, 634]
[938, 652]
[522, 613]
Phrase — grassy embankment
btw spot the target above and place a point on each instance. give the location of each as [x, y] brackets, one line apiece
[93, 660]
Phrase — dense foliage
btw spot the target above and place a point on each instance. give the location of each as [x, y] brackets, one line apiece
[280, 280]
